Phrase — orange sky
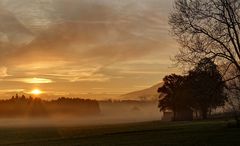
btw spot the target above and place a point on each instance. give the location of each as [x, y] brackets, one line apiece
[84, 46]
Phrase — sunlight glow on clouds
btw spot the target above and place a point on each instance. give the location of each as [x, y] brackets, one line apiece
[11, 90]
[82, 45]
[32, 80]
[3, 72]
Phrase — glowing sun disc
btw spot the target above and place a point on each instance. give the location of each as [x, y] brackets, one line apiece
[36, 92]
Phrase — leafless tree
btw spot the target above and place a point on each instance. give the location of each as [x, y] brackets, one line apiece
[233, 88]
[209, 28]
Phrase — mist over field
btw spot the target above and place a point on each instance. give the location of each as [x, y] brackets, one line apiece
[23, 111]
[111, 113]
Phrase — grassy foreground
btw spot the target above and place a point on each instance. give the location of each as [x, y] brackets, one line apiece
[147, 133]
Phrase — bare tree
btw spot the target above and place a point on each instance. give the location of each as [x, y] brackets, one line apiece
[207, 28]
[233, 87]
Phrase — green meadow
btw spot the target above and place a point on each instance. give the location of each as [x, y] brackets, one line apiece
[140, 134]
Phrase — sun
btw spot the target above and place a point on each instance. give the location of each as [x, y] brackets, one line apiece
[36, 92]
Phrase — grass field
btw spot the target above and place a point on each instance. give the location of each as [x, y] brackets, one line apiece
[146, 133]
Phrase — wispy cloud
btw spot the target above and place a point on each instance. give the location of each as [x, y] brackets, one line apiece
[31, 80]
[84, 43]
[12, 90]
[3, 72]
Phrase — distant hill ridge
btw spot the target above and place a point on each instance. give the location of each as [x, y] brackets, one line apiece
[145, 94]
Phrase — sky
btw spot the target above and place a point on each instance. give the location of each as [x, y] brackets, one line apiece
[75, 47]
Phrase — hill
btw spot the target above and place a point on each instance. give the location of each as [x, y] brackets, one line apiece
[145, 94]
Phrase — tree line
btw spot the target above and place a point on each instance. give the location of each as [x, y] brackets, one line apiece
[21, 106]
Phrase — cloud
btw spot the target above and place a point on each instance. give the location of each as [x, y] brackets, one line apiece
[78, 74]
[3, 72]
[89, 30]
[12, 30]
[143, 72]
[84, 41]
[11, 90]
[92, 78]
[31, 80]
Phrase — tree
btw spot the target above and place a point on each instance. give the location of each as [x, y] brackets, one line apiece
[233, 87]
[172, 94]
[206, 87]
[202, 90]
[207, 28]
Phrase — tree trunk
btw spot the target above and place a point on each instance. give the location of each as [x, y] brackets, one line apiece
[204, 114]
[237, 121]
[236, 117]
[196, 114]
[174, 115]
[210, 112]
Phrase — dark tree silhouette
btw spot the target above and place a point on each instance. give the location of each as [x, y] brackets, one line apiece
[202, 90]
[172, 94]
[207, 28]
[233, 87]
[206, 87]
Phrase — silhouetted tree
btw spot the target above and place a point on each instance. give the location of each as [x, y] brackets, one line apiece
[233, 88]
[172, 94]
[23, 97]
[207, 28]
[202, 89]
[205, 87]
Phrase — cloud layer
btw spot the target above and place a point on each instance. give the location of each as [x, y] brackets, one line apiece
[87, 42]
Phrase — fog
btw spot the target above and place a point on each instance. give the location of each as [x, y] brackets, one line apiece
[111, 113]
